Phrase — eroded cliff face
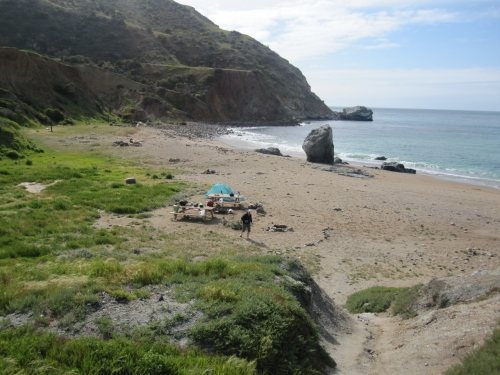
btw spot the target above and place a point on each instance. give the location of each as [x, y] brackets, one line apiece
[245, 96]
[32, 84]
[156, 59]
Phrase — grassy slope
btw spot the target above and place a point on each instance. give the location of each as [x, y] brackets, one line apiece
[55, 265]
[12, 142]
[34, 352]
[484, 361]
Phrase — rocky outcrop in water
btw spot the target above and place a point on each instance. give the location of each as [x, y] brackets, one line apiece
[318, 145]
[358, 113]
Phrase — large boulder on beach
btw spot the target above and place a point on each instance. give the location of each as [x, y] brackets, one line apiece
[397, 167]
[358, 113]
[318, 145]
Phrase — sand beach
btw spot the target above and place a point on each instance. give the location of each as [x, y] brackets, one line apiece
[387, 229]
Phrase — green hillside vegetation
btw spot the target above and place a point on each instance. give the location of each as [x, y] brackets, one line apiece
[155, 49]
[12, 142]
[56, 265]
[24, 348]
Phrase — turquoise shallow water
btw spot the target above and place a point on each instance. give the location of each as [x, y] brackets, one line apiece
[461, 145]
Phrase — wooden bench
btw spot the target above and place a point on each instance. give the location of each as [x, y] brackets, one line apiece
[194, 213]
[223, 207]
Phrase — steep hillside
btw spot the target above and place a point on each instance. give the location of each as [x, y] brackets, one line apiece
[40, 83]
[186, 65]
[34, 89]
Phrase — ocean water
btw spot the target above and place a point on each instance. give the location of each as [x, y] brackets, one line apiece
[459, 145]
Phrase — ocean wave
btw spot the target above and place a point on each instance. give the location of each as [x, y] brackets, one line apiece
[463, 175]
[357, 156]
[248, 139]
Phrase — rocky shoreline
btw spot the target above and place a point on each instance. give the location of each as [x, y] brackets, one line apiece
[191, 130]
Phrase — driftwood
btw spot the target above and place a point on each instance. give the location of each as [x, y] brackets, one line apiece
[279, 228]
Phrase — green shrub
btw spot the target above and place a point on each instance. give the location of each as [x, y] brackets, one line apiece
[485, 360]
[121, 295]
[35, 204]
[403, 303]
[379, 299]
[375, 299]
[216, 266]
[11, 138]
[27, 251]
[14, 155]
[157, 364]
[218, 293]
[61, 204]
[105, 237]
[106, 269]
[55, 115]
[54, 301]
[62, 300]
[147, 275]
[105, 326]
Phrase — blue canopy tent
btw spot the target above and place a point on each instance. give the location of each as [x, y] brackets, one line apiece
[222, 191]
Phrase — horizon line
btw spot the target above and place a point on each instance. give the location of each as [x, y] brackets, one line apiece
[418, 108]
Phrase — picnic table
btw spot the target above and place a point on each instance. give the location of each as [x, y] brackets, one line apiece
[204, 213]
[223, 202]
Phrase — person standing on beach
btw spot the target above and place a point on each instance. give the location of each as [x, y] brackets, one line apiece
[246, 220]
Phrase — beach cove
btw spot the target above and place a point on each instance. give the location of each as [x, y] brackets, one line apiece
[352, 233]
[456, 145]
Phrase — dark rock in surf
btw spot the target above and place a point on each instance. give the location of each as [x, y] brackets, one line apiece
[397, 167]
[383, 158]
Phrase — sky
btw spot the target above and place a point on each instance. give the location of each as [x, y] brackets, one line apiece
[436, 54]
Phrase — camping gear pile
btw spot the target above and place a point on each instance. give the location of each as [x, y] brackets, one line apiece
[221, 199]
